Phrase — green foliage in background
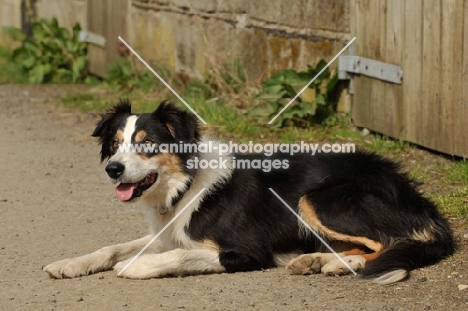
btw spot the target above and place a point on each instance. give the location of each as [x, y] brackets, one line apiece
[123, 76]
[314, 105]
[52, 55]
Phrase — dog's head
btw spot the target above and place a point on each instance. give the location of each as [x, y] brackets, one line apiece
[132, 144]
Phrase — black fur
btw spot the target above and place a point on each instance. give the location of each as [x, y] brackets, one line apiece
[358, 194]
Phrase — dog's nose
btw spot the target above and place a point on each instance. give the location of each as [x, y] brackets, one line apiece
[115, 169]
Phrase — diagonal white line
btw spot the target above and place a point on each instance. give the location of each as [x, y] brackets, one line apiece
[160, 232]
[161, 79]
[313, 231]
[311, 81]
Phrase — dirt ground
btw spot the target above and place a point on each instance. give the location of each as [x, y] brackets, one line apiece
[55, 203]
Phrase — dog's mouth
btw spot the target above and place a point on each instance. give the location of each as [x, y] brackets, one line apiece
[128, 191]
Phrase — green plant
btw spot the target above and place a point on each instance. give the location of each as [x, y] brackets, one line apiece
[10, 72]
[52, 54]
[123, 75]
[313, 106]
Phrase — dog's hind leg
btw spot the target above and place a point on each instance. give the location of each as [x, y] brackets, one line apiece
[100, 260]
[351, 247]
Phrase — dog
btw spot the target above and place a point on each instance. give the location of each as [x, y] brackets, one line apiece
[360, 204]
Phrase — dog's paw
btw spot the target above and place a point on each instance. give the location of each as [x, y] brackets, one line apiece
[142, 268]
[67, 268]
[337, 267]
[309, 263]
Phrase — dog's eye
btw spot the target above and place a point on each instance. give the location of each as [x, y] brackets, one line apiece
[148, 142]
[115, 144]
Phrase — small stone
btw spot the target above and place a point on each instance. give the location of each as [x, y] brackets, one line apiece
[423, 279]
[251, 304]
[81, 299]
[365, 132]
[462, 286]
[465, 235]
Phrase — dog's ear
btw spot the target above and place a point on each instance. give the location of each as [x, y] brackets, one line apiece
[123, 106]
[182, 126]
[104, 130]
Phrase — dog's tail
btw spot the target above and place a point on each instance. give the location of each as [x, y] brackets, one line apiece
[395, 262]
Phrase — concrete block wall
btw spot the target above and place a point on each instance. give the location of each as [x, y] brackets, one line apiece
[264, 35]
[191, 35]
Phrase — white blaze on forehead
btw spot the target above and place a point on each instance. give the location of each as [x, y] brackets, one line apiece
[129, 129]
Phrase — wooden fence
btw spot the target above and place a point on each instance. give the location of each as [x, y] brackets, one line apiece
[429, 40]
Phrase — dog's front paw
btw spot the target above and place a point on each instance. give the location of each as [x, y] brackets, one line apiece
[142, 268]
[66, 268]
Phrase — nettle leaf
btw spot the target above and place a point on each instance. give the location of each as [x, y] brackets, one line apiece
[76, 32]
[32, 48]
[63, 34]
[272, 89]
[258, 112]
[309, 107]
[273, 107]
[271, 96]
[290, 91]
[53, 24]
[320, 100]
[36, 74]
[29, 62]
[78, 65]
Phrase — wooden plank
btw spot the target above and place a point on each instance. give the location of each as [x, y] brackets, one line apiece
[96, 54]
[412, 68]
[109, 18]
[451, 74]
[359, 114]
[461, 147]
[428, 133]
[394, 123]
[367, 45]
[379, 29]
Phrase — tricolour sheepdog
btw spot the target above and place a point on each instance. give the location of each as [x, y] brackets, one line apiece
[360, 204]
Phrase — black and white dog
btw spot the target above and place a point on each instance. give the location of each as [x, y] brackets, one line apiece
[359, 203]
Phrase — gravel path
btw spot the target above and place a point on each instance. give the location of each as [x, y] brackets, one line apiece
[55, 203]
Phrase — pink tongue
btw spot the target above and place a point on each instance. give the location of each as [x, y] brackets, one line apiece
[125, 191]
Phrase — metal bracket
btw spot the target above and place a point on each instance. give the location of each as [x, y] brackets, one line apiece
[87, 36]
[348, 65]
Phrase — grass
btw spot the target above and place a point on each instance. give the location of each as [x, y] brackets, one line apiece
[446, 180]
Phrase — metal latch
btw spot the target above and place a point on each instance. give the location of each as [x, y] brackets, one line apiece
[87, 36]
[368, 67]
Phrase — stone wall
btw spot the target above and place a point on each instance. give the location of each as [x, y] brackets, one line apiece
[10, 15]
[264, 35]
[191, 35]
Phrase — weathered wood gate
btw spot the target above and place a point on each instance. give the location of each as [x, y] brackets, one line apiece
[108, 18]
[429, 40]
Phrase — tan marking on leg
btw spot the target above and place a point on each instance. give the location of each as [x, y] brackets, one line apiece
[366, 256]
[210, 245]
[307, 211]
